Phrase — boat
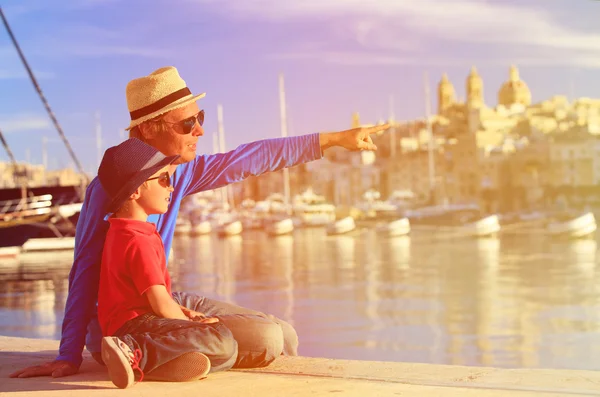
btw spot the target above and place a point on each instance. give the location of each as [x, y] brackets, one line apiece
[280, 222]
[579, 227]
[456, 220]
[280, 227]
[49, 244]
[311, 210]
[399, 227]
[488, 226]
[232, 228]
[46, 212]
[9, 253]
[183, 226]
[341, 226]
[375, 209]
[200, 227]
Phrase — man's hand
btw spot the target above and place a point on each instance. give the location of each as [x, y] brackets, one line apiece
[354, 139]
[197, 316]
[56, 369]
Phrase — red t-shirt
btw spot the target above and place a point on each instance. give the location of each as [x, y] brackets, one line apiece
[133, 260]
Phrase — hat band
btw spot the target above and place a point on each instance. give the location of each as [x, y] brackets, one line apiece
[161, 103]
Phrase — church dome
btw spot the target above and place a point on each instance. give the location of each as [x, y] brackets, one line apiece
[514, 91]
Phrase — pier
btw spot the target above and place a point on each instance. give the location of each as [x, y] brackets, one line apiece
[299, 376]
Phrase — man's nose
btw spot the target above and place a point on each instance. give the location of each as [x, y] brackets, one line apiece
[198, 130]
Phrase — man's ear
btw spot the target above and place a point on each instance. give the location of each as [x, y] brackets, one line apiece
[148, 130]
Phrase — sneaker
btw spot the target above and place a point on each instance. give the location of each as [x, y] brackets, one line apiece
[187, 367]
[121, 361]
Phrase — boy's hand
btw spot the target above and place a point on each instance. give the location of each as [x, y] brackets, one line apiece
[198, 316]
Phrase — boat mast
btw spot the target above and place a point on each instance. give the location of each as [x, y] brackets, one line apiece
[392, 130]
[225, 189]
[284, 134]
[431, 162]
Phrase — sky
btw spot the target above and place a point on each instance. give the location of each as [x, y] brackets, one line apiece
[337, 56]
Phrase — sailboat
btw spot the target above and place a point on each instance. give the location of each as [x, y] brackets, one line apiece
[282, 225]
[228, 225]
[43, 215]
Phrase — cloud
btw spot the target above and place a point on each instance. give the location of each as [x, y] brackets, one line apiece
[393, 25]
[358, 58]
[23, 122]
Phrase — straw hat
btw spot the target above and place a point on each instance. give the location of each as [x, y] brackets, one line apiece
[161, 91]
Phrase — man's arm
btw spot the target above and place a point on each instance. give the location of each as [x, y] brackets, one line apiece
[209, 172]
[83, 287]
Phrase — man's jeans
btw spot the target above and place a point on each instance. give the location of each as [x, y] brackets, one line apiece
[163, 339]
[260, 338]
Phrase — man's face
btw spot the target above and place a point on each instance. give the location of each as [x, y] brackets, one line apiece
[172, 141]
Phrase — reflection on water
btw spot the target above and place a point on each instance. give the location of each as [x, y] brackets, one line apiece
[509, 302]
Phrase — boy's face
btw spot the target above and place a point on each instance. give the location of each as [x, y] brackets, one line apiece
[156, 194]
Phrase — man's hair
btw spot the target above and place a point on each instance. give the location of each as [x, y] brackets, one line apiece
[153, 124]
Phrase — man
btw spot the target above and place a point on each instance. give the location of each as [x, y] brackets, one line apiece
[164, 114]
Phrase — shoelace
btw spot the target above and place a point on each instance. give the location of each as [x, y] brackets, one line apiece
[135, 363]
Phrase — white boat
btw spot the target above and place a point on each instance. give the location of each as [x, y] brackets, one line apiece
[232, 228]
[342, 226]
[311, 210]
[399, 227]
[200, 228]
[280, 227]
[485, 227]
[9, 252]
[183, 227]
[49, 244]
[579, 227]
[374, 208]
[280, 223]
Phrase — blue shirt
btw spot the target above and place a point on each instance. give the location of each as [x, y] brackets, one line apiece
[205, 172]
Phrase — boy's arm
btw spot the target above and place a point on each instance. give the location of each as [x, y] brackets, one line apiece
[146, 269]
[163, 304]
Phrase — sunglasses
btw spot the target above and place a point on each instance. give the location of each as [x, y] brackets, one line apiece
[164, 179]
[187, 125]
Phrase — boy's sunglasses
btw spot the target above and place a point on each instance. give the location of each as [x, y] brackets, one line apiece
[187, 125]
[164, 179]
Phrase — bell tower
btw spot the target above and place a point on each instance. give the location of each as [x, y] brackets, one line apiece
[446, 94]
[474, 90]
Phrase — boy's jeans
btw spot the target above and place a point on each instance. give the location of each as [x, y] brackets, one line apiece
[163, 339]
[260, 337]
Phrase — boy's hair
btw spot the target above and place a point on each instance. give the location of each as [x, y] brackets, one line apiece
[126, 167]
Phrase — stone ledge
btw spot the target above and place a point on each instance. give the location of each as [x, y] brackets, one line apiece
[301, 376]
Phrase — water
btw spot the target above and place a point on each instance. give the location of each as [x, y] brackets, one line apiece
[520, 302]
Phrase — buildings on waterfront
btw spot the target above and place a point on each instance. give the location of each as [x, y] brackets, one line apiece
[513, 155]
[36, 175]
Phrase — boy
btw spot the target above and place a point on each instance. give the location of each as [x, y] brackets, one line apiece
[143, 327]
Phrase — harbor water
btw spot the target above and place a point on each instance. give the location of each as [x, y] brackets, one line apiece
[524, 301]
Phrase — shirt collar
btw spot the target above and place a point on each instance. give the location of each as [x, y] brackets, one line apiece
[132, 224]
